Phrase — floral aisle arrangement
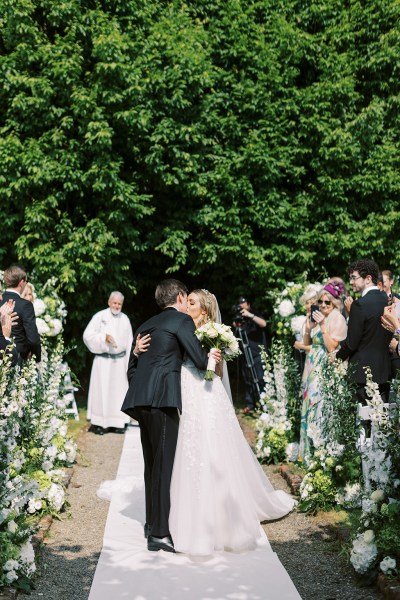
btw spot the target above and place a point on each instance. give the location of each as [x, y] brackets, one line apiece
[34, 450]
[217, 335]
[279, 416]
[376, 546]
[49, 309]
[334, 473]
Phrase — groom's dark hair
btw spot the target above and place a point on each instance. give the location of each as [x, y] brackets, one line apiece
[167, 292]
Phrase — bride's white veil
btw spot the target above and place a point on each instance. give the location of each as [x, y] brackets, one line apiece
[225, 377]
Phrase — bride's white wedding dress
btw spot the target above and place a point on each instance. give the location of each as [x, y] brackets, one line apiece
[219, 492]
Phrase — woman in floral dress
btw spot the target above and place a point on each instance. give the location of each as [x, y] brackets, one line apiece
[324, 334]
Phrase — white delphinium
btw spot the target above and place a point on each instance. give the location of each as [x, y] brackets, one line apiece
[27, 557]
[292, 451]
[350, 495]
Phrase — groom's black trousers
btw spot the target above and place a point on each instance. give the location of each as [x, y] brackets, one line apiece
[159, 434]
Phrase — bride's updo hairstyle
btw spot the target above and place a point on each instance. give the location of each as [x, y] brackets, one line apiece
[208, 303]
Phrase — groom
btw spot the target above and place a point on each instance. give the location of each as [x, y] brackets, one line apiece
[154, 400]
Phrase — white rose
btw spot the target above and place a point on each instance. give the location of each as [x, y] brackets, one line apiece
[27, 553]
[10, 565]
[11, 576]
[387, 564]
[55, 327]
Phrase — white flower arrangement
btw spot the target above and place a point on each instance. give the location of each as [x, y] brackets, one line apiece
[274, 424]
[217, 335]
[50, 310]
[286, 308]
[34, 448]
[388, 565]
[380, 483]
[363, 552]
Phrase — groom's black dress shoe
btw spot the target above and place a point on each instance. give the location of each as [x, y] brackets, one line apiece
[156, 543]
[146, 530]
[97, 430]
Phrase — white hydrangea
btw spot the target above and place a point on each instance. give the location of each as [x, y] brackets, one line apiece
[42, 326]
[39, 307]
[363, 553]
[56, 496]
[286, 308]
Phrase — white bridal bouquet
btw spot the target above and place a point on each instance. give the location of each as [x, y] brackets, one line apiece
[220, 336]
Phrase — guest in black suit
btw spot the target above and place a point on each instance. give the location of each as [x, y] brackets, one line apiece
[25, 333]
[154, 399]
[8, 318]
[367, 342]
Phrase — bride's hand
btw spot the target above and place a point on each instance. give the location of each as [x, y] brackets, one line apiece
[142, 343]
[216, 354]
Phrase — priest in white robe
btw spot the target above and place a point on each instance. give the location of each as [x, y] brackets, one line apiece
[109, 337]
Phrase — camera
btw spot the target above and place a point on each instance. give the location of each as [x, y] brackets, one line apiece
[237, 316]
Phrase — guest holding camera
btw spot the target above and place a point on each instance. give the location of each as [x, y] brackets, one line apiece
[325, 328]
[250, 324]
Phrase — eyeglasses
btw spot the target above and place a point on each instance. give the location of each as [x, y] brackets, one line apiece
[355, 277]
[327, 302]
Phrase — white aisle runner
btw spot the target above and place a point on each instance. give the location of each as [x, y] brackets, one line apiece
[128, 571]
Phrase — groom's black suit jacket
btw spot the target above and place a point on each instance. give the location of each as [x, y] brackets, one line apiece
[367, 342]
[155, 378]
[24, 332]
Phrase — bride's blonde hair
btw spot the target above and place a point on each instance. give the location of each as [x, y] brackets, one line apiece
[208, 303]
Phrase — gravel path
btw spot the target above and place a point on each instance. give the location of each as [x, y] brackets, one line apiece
[73, 545]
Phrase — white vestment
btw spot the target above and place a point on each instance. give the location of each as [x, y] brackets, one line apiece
[108, 380]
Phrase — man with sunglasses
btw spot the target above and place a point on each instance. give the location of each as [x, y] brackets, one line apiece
[367, 342]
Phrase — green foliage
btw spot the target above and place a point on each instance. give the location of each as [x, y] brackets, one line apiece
[237, 142]
[322, 493]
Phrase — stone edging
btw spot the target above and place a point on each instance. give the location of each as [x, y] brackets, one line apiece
[293, 480]
[390, 588]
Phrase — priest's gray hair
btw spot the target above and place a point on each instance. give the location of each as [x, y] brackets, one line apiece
[118, 295]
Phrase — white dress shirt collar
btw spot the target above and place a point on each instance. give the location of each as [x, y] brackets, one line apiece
[368, 289]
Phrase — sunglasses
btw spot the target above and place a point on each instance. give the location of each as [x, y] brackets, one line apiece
[327, 302]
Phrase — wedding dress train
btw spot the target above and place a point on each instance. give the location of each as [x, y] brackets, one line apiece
[219, 492]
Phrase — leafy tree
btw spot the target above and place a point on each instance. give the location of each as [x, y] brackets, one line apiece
[233, 144]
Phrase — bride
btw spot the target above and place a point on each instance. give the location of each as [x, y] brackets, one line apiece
[219, 492]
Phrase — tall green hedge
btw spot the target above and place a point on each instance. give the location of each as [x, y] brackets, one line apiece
[235, 143]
